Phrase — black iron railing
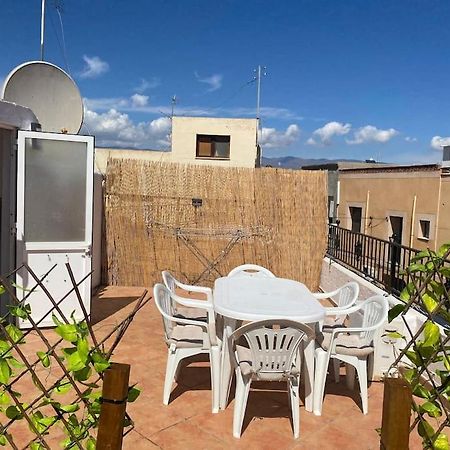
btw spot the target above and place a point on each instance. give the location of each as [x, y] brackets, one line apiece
[383, 262]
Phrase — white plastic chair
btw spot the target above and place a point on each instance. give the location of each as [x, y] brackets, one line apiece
[272, 353]
[251, 270]
[189, 313]
[343, 297]
[187, 337]
[351, 345]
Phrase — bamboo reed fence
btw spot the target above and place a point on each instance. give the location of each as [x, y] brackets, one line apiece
[201, 221]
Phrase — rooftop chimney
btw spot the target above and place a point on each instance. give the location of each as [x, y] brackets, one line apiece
[446, 156]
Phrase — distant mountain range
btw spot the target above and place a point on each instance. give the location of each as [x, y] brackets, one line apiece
[293, 162]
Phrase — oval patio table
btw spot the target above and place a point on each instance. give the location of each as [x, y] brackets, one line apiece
[257, 298]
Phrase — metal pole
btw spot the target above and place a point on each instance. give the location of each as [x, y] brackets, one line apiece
[42, 28]
[258, 90]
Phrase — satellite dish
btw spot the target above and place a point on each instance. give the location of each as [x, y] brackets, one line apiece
[49, 92]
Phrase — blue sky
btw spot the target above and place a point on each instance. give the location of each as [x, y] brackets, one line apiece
[345, 79]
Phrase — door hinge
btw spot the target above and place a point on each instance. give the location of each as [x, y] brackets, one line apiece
[14, 229]
[88, 251]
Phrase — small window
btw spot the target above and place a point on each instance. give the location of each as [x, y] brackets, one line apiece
[356, 215]
[209, 146]
[424, 230]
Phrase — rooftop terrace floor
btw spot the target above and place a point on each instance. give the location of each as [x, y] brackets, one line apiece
[188, 422]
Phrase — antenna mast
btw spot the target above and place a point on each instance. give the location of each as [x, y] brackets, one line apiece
[42, 28]
[259, 71]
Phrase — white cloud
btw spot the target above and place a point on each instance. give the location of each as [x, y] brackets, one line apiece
[116, 129]
[369, 133]
[138, 100]
[124, 104]
[144, 85]
[410, 139]
[272, 138]
[214, 81]
[94, 67]
[323, 136]
[437, 142]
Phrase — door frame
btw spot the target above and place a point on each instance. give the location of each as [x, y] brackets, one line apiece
[22, 247]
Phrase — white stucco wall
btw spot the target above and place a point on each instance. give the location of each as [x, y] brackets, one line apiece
[242, 134]
[102, 155]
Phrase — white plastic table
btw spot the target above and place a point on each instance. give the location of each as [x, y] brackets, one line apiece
[257, 298]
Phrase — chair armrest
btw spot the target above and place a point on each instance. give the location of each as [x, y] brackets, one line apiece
[183, 321]
[324, 295]
[199, 289]
[193, 303]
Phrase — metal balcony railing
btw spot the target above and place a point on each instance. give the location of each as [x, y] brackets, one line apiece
[383, 262]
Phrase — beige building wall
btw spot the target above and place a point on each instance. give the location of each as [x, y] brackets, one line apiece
[102, 155]
[242, 132]
[443, 231]
[411, 195]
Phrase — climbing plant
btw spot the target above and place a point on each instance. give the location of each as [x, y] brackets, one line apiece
[424, 362]
[50, 380]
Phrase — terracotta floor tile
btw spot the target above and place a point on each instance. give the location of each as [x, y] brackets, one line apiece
[187, 422]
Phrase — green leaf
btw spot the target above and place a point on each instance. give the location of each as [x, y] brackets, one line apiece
[407, 291]
[421, 391]
[14, 363]
[4, 399]
[395, 311]
[441, 442]
[409, 375]
[21, 311]
[443, 249]
[36, 446]
[91, 444]
[413, 357]
[421, 255]
[431, 334]
[417, 268]
[44, 358]
[14, 333]
[67, 331]
[100, 362]
[74, 362]
[133, 394]
[431, 408]
[445, 271]
[425, 429]
[394, 335]
[5, 371]
[13, 412]
[429, 302]
[69, 408]
[83, 349]
[3, 440]
[83, 374]
[62, 388]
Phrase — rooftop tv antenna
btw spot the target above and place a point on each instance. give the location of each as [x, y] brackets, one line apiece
[42, 28]
[174, 102]
[260, 71]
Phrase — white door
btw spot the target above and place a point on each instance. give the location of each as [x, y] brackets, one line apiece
[54, 218]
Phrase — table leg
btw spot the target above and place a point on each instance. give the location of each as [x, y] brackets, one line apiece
[226, 370]
[309, 374]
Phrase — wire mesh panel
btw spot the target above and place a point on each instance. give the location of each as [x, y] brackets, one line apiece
[200, 222]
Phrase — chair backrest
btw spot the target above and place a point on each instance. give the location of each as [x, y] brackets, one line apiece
[273, 344]
[166, 306]
[375, 313]
[169, 281]
[347, 295]
[251, 270]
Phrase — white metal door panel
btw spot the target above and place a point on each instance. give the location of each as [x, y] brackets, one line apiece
[54, 218]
